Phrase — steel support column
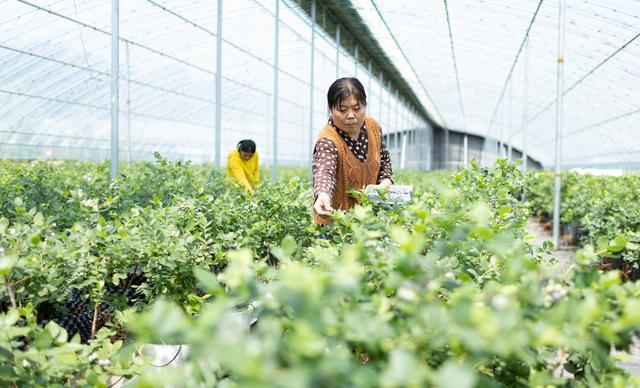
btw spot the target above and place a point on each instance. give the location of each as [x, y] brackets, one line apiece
[525, 90]
[218, 135]
[357, 60]
[509, 122]
[381, 89]
[559, 113]
[466, 151]
[446, 148]
[128, 106]
[338, 51]
[311, 78]
[115, 95]
[276, 70]
[403, 151]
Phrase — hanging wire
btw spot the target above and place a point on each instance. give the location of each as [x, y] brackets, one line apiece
[585, 76]
[455, 65]
[513, 65]
[588, 127]
[141, 83]
[247, 52]
[424, 89]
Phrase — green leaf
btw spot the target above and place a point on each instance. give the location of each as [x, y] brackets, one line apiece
[117, 277]
[453, 374]
[164, 322]
[480, 213]
[7, 373]
[75, 339]
[403, 370]
[287, 248]
[207, 280]
[620, 241]
[92, 378]
[5, 354]
[122, 233]
[617, 244]
[38, 219]
[43, 340]
[504, 210]
[7, 263]
[35, 239]
[289, 245]
[53, 328]
[10, 318]
[602, 243]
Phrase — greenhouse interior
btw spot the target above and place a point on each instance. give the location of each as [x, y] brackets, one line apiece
[319, 193]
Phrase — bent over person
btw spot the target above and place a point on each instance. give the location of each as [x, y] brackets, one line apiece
[349, 152]
[242, 165]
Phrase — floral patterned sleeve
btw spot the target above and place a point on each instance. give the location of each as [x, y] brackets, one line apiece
[323, 168]
[386, 172]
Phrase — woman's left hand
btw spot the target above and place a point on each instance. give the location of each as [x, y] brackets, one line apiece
[386, 182]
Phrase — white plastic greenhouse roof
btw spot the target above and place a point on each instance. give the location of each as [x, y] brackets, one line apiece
[465, 61]
[55, 79]
[472, 59]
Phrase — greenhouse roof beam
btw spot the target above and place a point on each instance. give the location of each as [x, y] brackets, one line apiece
[107, 74]
[157, 51]
[513, 66]
[184, 19]
[252, 55]
[347, 15]
[139, 114]
[93, 71]
[51, 99]
[590, 72]
[105, 108]
[588, 127]
[187, 63]
[167, 147]
[175, 113]
[455, 67]
[599, 155]
[75, 137]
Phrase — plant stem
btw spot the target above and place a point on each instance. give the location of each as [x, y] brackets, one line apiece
[10, 291]
[131, 276]
[95, 320]
[24, 279]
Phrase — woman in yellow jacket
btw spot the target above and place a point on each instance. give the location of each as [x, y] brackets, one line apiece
[242, 165]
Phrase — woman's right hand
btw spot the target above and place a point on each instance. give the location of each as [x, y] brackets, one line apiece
[322, 206]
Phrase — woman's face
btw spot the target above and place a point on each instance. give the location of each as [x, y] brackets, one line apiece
[246, 155]
[349, 116]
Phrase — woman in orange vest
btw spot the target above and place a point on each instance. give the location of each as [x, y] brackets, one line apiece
[242, 165]
[349, 152]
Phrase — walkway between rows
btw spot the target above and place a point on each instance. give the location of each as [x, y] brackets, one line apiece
[540, 235]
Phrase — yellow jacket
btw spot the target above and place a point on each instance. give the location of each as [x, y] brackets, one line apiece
[241, 172]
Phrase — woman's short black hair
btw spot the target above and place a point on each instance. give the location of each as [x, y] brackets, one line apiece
[343, 88]
[247, 145]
